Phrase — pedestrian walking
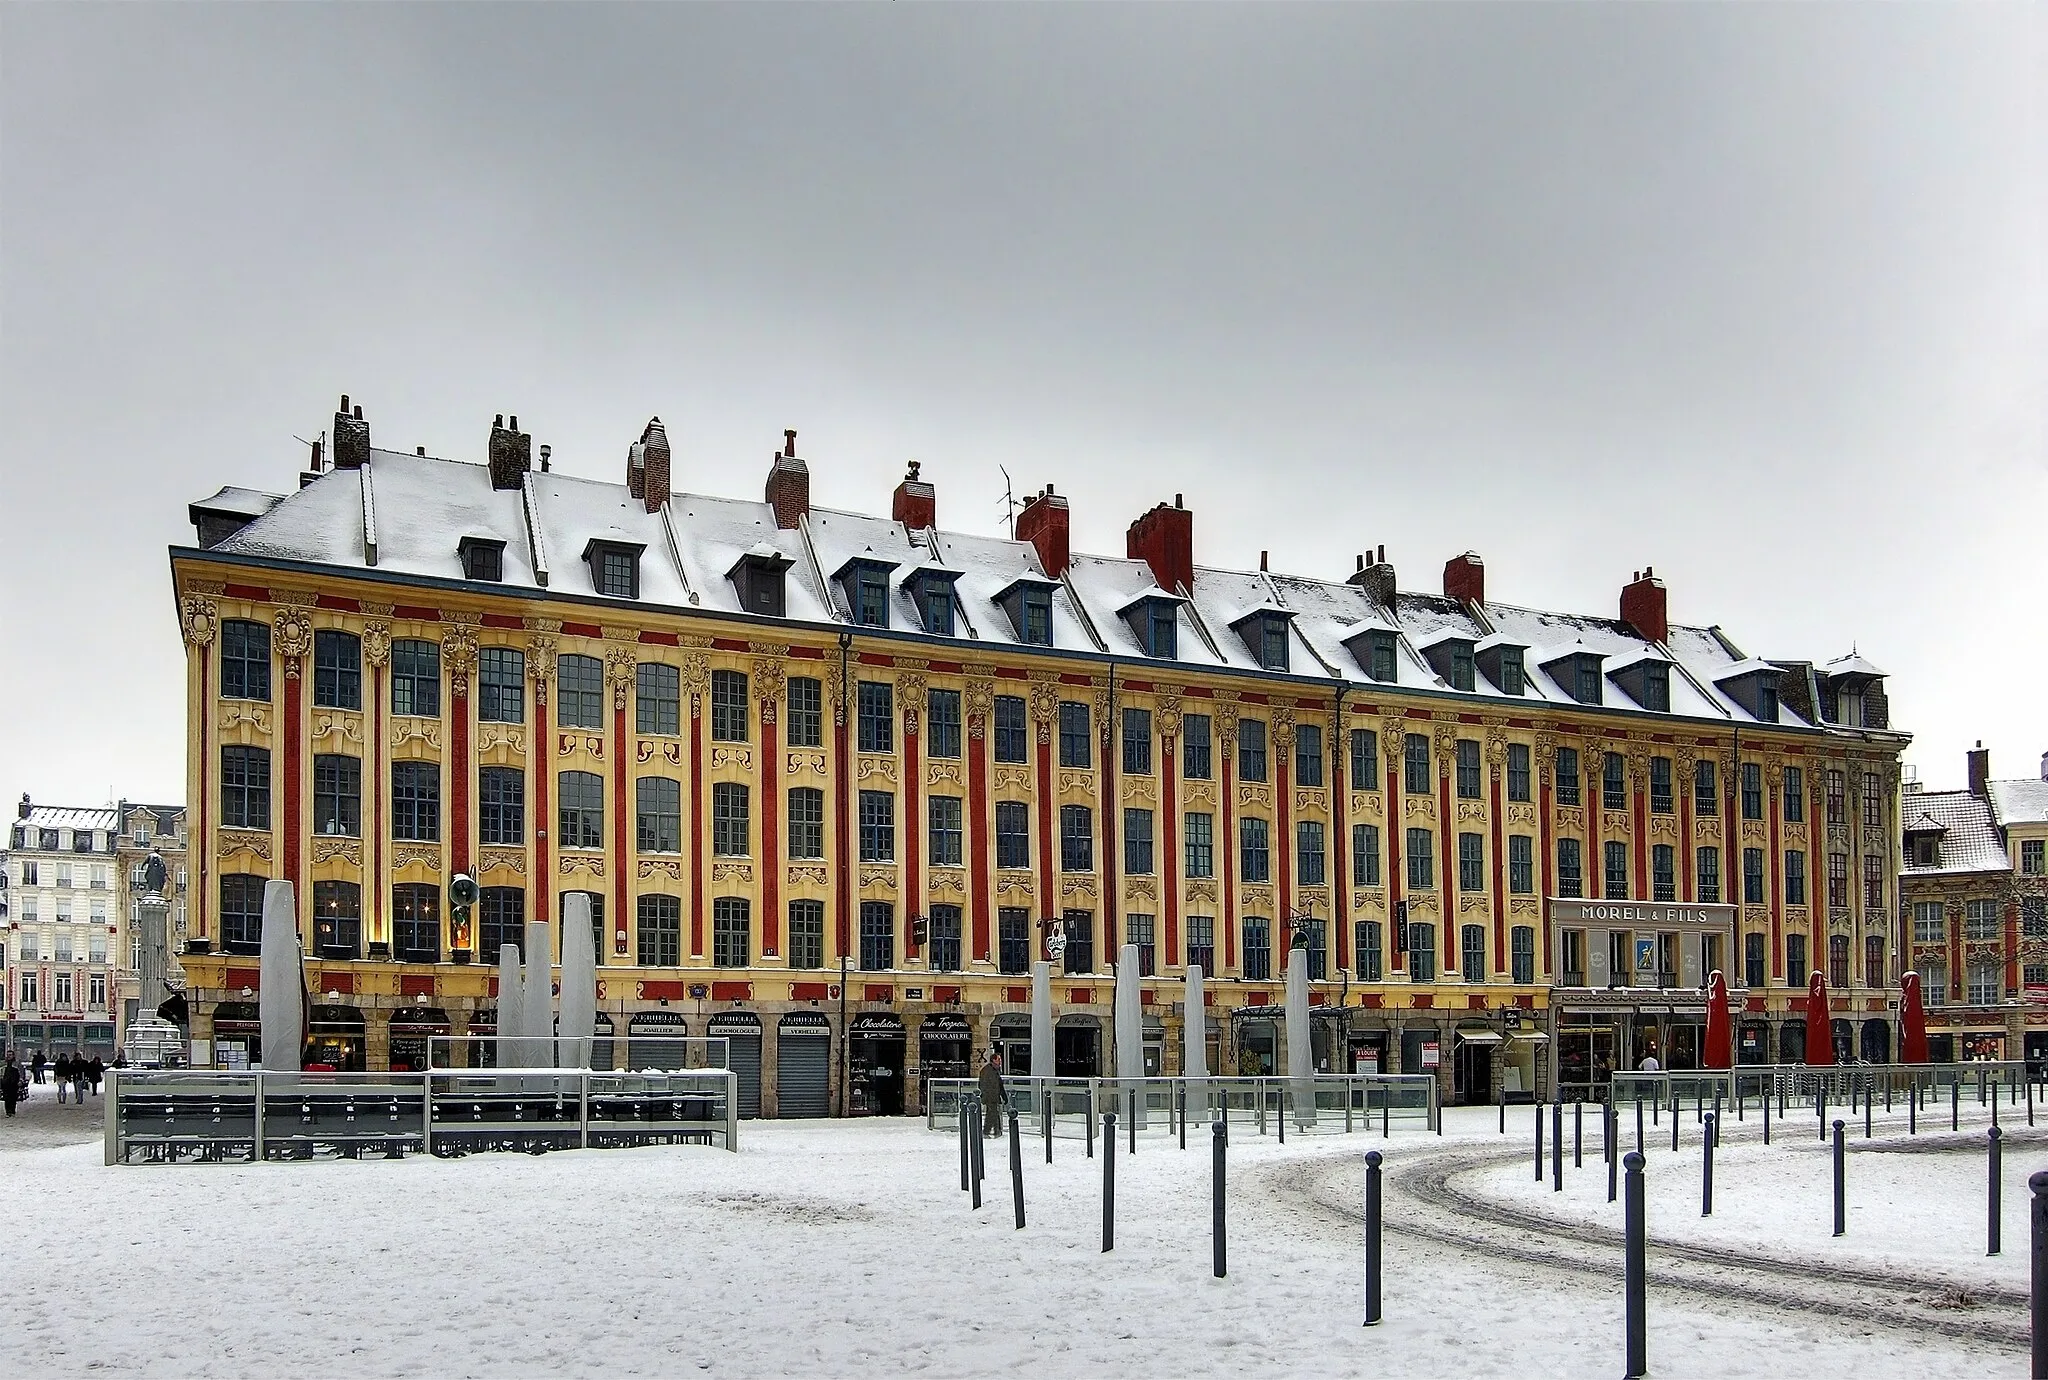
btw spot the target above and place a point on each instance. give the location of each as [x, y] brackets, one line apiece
[992, 1093]
[36, 1065]
[10, 1084]
[95, 1071]
[62, 1072]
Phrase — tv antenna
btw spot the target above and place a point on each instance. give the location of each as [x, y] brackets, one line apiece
[1009, 502]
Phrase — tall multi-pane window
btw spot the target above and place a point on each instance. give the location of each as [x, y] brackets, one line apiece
[1258, 950]
[2033, 857]
[1795, 877]
[1013, 940]
[1013, 735]
[244, 660]
[657, 699]
[806, 822]
[1873, 961]
[1706, 791]
[1202, 943]
[1472, 950]
[1838, 960]
[416, 801]
[804, 719]
[416, 677]
[945, 940]
[1415, 764]
[579, 692]
[943, 815]
[1518, 771]
[1522, 954]
[1985, 986]
[1308, 755]
[1567, 776]
[1753, 960]
[337, 795]
[1196, 763]
[1752, 876]
[1613, 781]
[1661, 793]
[730, 713]
[731, 820]
[1707, 872]
[1315, 937]
[1752, 791]
[1310, 852]
[1471, 862]
[1873, 801]
[1013, 834]
[579, 814]
[1140, 930]
[500, 920]
[337, 670]
[1980, 920]
[1468, 769]
[1838, 879]
[1421, 952]
[416, 923]
[877, 716]
[1365, 855]
[1199, 839]
[1367, 955]
[806, 934]
[658, 814]
[1795, 960]
[501, 806]
[1076, 741]
[1614, 874]
[501, 685]
[877, 936]
[2034, 917]
[1254, 849]
[1251, 750]
[1873, 882]
[1521, 864]
[942, 723]
[1137, 742]
[1837, 792]
[1795, 796]
[1138, 842]
[660, 931]
[1080, 929]
[877, 826]
[241, 914]
[1365, 760]
[1077, 838]
[731, 931]
[1663, 872]
[1421, 859]
[1930, 923]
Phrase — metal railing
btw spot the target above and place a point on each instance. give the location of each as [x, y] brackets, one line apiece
[1336, 1103]
[1802, 1083]
[207, 1116]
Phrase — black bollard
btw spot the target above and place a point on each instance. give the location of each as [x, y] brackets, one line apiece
[1109, 1181]
[1866, 1114]
[1088, 1120]
[1048, 1125]
[1280, 1116]
[1613, 1165]
[2037, 1184]
[1184, 1114]
[1372, 1237]
[974, 1153]
[1766, 1101]
[1635, 1274]
[1539, 1142]
[1639, 1125]
[1913, 1111]
[1131, 1120]
[1674, 1123]
[1218, 1137]
[1955, 1105]
[966, 1168]
[1656, 1112]
[1017, 1170]
[1607, 1131]
[1887, 1094]
[1997, 1159]
[1557, 1147]
[1842, 1198]
[1387, 1117]
[974, 1144]
[1707, 1165]
[1578, 1132]
[1503, 1114]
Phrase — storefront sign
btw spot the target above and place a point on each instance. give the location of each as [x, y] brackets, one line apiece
[878, 1023]
[1429, 1060]
[1572, 911]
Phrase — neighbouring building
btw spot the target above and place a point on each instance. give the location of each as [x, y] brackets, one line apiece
[64, 931]
[832, 780]
[1975, 893]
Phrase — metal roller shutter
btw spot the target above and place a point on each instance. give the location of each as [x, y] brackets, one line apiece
[803, 1074]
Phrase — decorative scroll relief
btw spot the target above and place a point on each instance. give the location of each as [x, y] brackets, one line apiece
[1313, 897]
[874, 766]
[1012, 779]
[731, 870]
[491, 737]
[1311, 798]
[1571, 819]
[1201, 891]
[1081, 781]
[1142, 788]
[593, 863]
[569, 744]
[1077, 885]
[1370, 803]
[1014, 883]
[1369, 898]
[507, 859]
[1523, 905]
[1706, 828]
[1141, 889]
[884, 877]
[807, 874]
[1753, 831]
[200, 620]
[947, 881]
[426, 854]
[233, 712]
[942, 770]
[1471, 812]
[1470, 901]
[669, 750]
[251, 841]
[1616, 822]
[802, 763]
[1202, 793]
[1838, 837]
[1664, 826]
[731, 755]
[1838, 919]
[1418, 807]
[348, 851]
[1258, 896]
[1522, 814]
[1424, 901]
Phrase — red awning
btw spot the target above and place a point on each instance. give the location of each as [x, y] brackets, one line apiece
[1912, 1022]
[1717, 1052]
[1820, 1027]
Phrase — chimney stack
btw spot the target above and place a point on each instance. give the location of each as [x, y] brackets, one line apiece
[916, 504]
[1376, 579]
[545, 451]
[1043, 522]
[351, 438]
[1980, 771]
[511, 454]
[21, 810]
[1642, 606]
[1465, 579]
[647, 466]
[1165, 540]
[789, 485]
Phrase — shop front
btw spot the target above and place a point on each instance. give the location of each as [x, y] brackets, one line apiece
[945, 1049]
[877, 1048]
[655, 1040]
[412, 1031]
[1077, 1046]
[237, 1035]
[803, 1065]
[1366, 1050]
[1477, 1045]
[1635, 986]
[336, 1041]
[741, 1031]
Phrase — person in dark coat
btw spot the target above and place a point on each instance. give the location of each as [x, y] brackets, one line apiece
[992, 1094]
[63, 1073]
[10, 1084]
[37, 1065]
[95, 1071]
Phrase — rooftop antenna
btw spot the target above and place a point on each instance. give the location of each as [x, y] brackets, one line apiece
[1009, 502]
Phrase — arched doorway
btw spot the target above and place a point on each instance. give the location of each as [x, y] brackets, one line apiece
[412, 1030]
[876, 1048]
[1792, 1042]
[335, 1041]
[1877, 1041]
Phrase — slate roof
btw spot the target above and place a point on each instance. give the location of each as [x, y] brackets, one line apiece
[1971, 841]
[2020, 802]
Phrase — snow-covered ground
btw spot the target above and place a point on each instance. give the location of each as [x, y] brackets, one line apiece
[846, 1249]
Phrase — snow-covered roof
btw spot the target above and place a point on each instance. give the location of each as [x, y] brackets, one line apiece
[408, 514]
[1850, 665]
[71, 817]
[1969, 841]
[2020, 802]
[234, 502]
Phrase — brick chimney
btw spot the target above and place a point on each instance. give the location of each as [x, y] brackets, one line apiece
[1642, 606]
[1980, 771]
[1043, 522]
[916, 504]
[647, 467]
[789, 485]
[1465, 579]
[1376, 579]
[511, 454]
[351, 438]
[1165, 540]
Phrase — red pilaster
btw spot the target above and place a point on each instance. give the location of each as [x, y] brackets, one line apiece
[913, 829]
[458, 779]
[1283, 825]
[1340, 844]
[1447, 874]
[1048, 896]
[621, 756]
[543, 888]
[1817, 895]
[695, 790]
[1774, 873]
[373, 787]
[1397, 859]
[1684, 863]
[771, 832]
[1168, 862]
[978, 811]
[1226, 847]
[1106, 736]
[1640, 883]
[200, 896]
[293, 747]
[842, 861]
[1547, 846]
[1500, 899]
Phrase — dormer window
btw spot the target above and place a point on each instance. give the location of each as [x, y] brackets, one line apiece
[1927, 851]
[1155, 620]
[865, 581]
[1265, 635]
[614, 567]
[1766, 702]
[1461, 667]
[1647, 679]
[1578, 672]
[1451, 656]
[483, 558]
[1501, 663]
[760, 580]
[1754, 685]
[1028, 601]
[931, 589]
[1374, 649]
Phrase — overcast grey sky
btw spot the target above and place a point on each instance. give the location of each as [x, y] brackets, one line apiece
[1753, 294]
